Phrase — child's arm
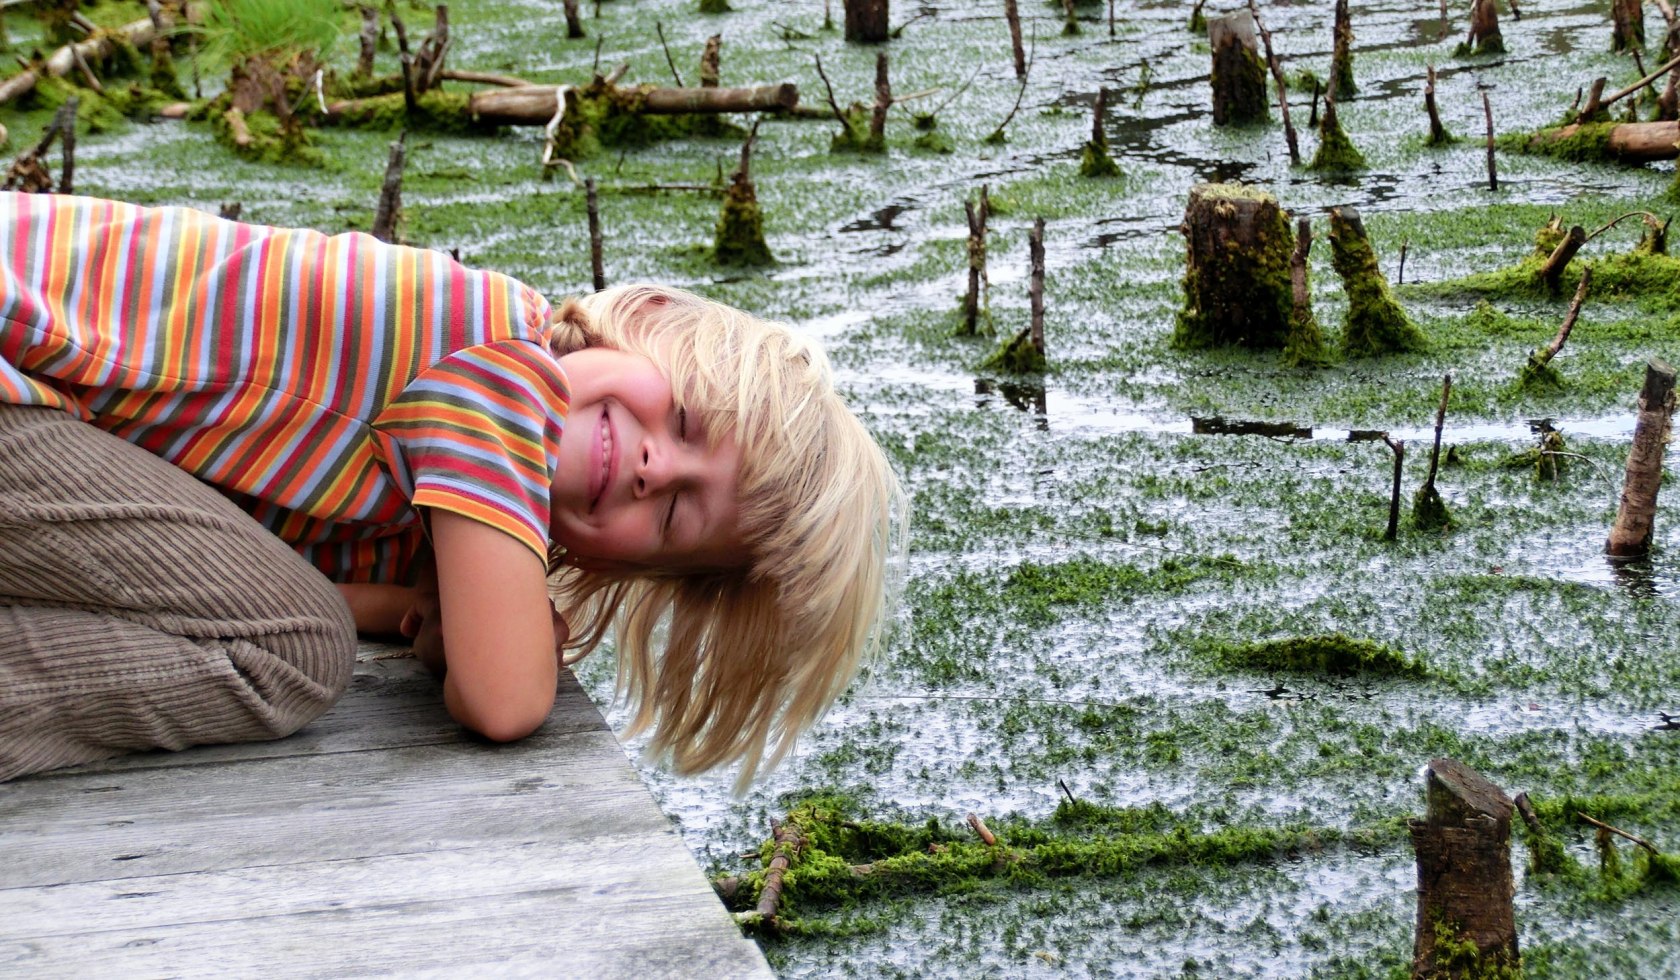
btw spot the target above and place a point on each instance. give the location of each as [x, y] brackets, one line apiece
[497, 628]
[377, 609]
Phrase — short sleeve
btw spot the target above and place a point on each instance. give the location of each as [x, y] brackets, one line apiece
[478, 434]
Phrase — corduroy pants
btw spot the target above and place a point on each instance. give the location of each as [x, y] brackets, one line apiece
[140, 608]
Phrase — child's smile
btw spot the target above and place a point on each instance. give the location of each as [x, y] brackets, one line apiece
[638, 487]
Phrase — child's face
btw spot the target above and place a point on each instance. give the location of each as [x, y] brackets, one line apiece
[637, 488]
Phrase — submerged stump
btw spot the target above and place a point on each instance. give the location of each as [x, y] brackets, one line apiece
[1627, 25]
[1466, 926]
[1237, 286]
[1094, 160]
[1341, 51]
[866, 21]
[1304, 345]
[1239, 75]
[1375, 323]
[1630, 537]
[1484, 31]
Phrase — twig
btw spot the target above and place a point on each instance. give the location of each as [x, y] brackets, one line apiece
[1440, 422]
[1282, 86]
[981, 829]
[1643, 82]
[838, 115]
[1065, 789]
[1642, 842]
[1399, 447]
[997, 135]
[660, 28]
[954, 95]
[1493, 173]
[1612, 224]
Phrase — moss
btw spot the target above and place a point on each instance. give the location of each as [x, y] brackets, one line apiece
[1305, 80]
[1457, 956]
[1335, 151]
[94, 112]
[740, 228]
[1094, 161]
[715, 7]
[271, 142]
[1235, 295]
[435, 111]
[1017, 355]
[1332, 653]
[1303, 346]
[854, 135]
[1375, 324]
[1588, 142]
[1429, 511]
[1492, 44]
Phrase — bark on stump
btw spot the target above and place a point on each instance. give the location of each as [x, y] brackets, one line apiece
[1630, 537]
[740, 227]
[1484, 30]
[1236, 273]
[866, 21]
[390, 193]
[1239, 74]
[1466, 926]
[1305, 343]
[1375, 323]
[1438, 135]
[977, 216]
[1341, 51]
[1627, 25]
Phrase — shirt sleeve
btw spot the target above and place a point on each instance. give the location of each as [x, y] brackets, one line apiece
[478, 434]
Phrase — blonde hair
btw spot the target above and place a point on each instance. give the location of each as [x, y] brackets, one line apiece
[728, 666]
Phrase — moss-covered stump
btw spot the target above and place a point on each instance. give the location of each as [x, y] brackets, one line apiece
[1236, 269]
[1375, 324]
[740, 227]
[1335, 152]
[1600, 142]
[1341, 51]
[1094, 160]
[1429, 511]
[1017, 355]
[1239, 74]
[1485, 37]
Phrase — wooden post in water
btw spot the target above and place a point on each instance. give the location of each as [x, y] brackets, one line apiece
[866, 21]
[1484, 29]
[883, 102]
[1239, 76]
[1493, 171]
[1341, 51]
[1630, 536]
[574, 23]
[977, 215]
[597, 268]
[1466, 926]
[1399, 448]
[1282, 86]
[390, 194]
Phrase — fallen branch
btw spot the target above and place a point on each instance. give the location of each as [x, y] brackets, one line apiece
[98, 47]
[981, 829]
[1642, 842]
[534, 105]
[1640, 142]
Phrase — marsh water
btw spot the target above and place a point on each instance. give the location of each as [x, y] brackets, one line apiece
[1547, 665]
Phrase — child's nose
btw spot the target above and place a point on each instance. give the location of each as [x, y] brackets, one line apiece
[657, 470]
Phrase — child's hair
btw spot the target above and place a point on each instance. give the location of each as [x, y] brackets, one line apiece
[750, 658]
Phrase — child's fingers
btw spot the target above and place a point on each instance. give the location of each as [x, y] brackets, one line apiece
[410, 625]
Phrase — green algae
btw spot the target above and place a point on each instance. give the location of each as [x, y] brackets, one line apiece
[1094, 161]
[1587, 142]
[1334, 654]
[1017, 355]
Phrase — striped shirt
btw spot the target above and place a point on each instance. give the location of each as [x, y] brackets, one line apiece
[329, 384]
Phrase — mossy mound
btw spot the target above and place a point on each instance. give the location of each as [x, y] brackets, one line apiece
[1652, 280]
[740, 230]
[435, 111]
[270, 141]
[1429, 511]
[1335, 152]
[715, 7]
[1017, 355]
[1094, 161]
[1331, 653]
[854, 135]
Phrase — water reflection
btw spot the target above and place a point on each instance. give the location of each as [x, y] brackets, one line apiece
[1022, 396]
[1634, 575]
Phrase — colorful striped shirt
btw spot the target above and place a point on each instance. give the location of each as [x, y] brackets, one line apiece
[329, 384]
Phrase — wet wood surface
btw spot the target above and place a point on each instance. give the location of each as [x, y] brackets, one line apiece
[380, 840]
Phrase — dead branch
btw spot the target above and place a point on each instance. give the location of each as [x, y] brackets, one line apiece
[1399, 448]
[1282, 86]
[1642, 842]
[659, 28]
[980, 829]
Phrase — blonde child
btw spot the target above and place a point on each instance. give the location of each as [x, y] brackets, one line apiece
[225, 449]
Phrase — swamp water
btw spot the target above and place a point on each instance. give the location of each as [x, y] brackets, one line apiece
[1084, 565]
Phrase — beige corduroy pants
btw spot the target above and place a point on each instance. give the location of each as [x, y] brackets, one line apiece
[140, 608]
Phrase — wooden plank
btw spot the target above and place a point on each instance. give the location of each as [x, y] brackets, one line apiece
[280, 811]
[622, 901]
[392, 702]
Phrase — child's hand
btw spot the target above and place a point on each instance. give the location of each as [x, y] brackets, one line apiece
[424, 625]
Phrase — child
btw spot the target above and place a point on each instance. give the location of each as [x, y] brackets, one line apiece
[423, 448]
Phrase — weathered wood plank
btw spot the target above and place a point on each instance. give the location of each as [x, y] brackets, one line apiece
[392, 702]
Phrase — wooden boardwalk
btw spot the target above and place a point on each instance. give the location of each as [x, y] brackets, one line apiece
[378, 841]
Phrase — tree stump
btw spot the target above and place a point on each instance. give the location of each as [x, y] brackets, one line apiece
[1094, 160]
[1375, 323]
[977, 216]
[866, 21]
[1239, 75]
[1236, 274]
[390, 193]
[1630, 536]
[1484, 30]
[1466, 926]
[1627, 25]
[1438, 135]
[1341, 51]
